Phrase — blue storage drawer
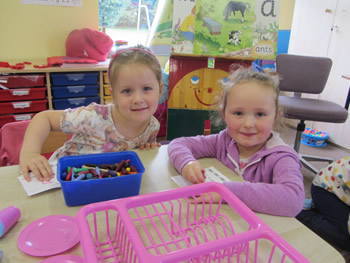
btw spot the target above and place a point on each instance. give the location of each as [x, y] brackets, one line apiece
[74, 91]
[64, 79]
[61, 104]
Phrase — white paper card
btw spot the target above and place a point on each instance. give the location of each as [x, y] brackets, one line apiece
[35, 186]
[212, 175]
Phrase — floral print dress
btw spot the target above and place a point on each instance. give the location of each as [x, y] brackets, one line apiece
[92, 130]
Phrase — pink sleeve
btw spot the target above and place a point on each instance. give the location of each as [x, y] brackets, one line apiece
[185, 149]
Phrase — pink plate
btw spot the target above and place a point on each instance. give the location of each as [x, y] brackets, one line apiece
[49, 235]
[64, 259]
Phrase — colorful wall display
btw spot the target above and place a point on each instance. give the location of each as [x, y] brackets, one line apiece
[199, 34]
[160, 39]
[240, 29]
[184, 13]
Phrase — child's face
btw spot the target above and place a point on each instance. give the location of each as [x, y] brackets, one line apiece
[250, 115]
[136, 93]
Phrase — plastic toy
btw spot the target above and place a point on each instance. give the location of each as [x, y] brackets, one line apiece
[172, 226]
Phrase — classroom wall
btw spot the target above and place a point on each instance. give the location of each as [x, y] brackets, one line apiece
[285, 25]
[35, 32]
[286, 14]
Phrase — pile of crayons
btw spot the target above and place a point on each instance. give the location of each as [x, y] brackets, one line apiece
[98, 171]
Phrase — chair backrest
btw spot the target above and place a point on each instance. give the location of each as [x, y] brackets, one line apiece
[11, 140]
[303, 74]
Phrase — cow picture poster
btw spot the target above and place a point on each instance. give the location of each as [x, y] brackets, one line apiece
[238, 29]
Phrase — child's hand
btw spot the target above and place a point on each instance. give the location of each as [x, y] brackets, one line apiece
[193, 172]
[36, 163]
[149, 146]
[213, 198]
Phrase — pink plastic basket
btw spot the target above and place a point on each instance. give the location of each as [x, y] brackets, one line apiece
[172, 226]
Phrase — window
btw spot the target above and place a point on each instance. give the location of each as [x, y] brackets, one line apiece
[129, 20]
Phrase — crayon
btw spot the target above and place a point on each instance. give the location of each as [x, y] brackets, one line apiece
[120, 165]
[69, 175]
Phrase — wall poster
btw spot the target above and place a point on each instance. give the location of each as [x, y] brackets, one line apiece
[240, 29]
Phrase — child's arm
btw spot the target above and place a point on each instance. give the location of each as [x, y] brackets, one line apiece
[279, 192]
[36, 134]
[184, 152]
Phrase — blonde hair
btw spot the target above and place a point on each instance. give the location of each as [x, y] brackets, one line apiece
[136, 55]
[239, 74]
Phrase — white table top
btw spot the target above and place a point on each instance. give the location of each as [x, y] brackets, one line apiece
[157, 177]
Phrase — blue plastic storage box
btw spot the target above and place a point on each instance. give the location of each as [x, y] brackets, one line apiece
[96, 190]
[64, 79]
[314, 138]
[62, 104]
[74, 91]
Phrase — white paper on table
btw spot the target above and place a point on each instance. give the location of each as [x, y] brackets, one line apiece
[212, 175]
[35, 186]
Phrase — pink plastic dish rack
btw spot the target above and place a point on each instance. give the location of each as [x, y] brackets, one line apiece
[176, 226]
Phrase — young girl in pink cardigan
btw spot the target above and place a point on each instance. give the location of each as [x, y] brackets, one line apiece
[273, 183]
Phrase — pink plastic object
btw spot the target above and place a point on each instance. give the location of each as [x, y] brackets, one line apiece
[8, 217]
[64, 259]
[173, 226]
[49, 236]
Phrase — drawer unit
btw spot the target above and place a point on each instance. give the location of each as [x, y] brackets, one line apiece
[64, 79]
[61, 104]
[71, 90]
[15, 117]
[22, 80]
[106, 90]
[108, 99]
[105, 78]
[24, 97]
[23, 106]
[75, 91]
[22, 94]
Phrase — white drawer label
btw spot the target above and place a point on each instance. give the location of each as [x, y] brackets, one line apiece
[20, 92]
[21, 105]
[23, 117]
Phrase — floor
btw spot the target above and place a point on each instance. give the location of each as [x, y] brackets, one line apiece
[329, 151]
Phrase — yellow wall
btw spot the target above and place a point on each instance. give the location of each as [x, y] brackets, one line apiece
[286, 14]
[34, 32]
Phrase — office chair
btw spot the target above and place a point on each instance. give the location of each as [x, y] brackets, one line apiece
[307, 74]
